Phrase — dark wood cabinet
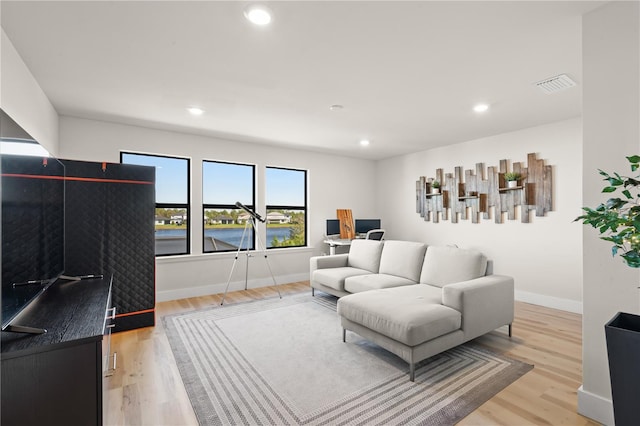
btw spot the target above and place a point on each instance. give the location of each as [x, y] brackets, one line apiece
[56, 378]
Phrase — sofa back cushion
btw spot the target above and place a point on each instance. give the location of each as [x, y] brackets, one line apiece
[445, 265]
[365, 254]
[402, 259]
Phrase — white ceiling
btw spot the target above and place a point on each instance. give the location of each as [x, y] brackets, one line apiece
[407, 73]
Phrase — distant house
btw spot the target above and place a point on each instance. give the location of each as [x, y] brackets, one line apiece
[161, 220]
[243, 217]
[277, 217]
[221, 220]
[272, 217]
[178, 219]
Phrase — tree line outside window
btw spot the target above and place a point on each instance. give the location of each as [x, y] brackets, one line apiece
[225, 226]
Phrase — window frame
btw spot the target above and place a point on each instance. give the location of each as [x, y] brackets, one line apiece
[176, 206]
[206, 206]
[305, 208]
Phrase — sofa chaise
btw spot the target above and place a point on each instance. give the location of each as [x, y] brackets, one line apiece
[415, 301]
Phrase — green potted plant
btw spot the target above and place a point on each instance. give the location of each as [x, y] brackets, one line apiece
[435, 187]
[618, 221]
[512, 179]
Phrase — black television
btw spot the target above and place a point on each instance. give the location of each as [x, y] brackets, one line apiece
[333, 227]
[365, 225]
[32, 230]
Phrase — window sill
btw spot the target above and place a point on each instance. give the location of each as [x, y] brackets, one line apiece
[227, 254]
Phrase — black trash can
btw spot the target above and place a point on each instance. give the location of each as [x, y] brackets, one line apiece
[623, 349]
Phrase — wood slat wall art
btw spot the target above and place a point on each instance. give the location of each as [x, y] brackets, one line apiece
[475, 194]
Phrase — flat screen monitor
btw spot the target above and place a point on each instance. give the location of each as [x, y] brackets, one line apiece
[365, 225]
[333, 227]
[32, 229]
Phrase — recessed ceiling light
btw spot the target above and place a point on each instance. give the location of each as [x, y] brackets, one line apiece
[481, 107]
[336, 107]
[258, 14]
[195, 111]
[364, 142]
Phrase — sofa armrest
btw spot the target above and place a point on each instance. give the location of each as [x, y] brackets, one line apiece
[323, 262]
[486, 303]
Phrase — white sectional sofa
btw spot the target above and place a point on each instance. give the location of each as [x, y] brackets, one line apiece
[413, 300]
[368, 265]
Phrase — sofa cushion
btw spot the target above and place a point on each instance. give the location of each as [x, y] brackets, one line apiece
[403, 259]
[426, 293]
[365, 254]
[359, 283]
[334, 277]
[446, 264]
[406, 314]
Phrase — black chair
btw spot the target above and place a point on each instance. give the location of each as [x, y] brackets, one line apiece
[375, 234]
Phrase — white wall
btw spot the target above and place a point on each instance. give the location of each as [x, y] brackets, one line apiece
[334, 182]
[23, 100]
[611, 115]
[544, 256]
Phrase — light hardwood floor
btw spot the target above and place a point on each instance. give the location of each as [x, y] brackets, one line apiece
[146, 389]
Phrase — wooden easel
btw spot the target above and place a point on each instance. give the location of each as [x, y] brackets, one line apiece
[347, 229]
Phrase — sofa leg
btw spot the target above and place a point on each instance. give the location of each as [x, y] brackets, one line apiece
[344, 335]
[412, 372]
[510, 329]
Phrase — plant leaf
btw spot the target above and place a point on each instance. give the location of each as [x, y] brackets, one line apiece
[618, 219]
[632, 258]
[615, 203]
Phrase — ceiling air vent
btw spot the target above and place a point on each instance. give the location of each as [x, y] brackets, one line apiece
[555, 84]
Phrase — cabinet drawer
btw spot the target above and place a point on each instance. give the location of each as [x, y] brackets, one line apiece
[65, 393]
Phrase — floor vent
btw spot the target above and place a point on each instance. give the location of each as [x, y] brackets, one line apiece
[555, 84]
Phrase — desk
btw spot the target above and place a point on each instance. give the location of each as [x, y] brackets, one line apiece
[335, 243]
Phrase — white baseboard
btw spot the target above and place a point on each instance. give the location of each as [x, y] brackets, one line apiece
[595, 407]
[549, 301]
[204, 290]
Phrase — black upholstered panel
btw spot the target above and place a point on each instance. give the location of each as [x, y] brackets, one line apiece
[110, 230]
[32, 229]
[32, 218]
[134, 321]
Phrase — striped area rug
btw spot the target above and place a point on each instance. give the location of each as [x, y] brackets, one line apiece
[283, 362]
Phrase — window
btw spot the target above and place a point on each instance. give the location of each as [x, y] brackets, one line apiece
[172, 200]
[225, 225]
[22, 147]
[286, 194]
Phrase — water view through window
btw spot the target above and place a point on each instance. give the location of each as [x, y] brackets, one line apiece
[286, 194]
[172, 200]
[225, 225]
[225, 228]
